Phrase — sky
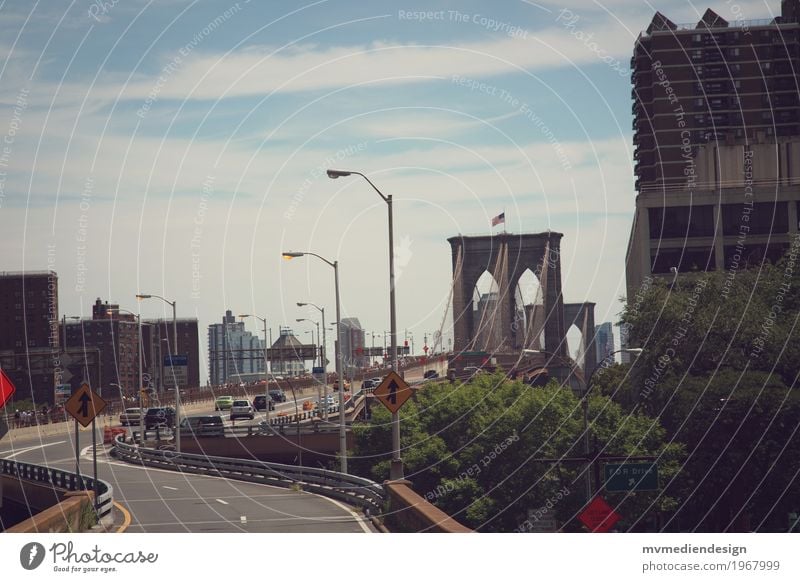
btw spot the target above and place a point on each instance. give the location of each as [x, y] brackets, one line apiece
[178, 147]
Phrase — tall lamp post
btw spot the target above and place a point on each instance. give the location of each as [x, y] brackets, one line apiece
[339, 372]
[323, 355]
[396, 469]
[266, 370]
[319, 386]
[172, 352]
[585, 403]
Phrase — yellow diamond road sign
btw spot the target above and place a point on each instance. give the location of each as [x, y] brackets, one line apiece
[84, 405]
[393, 392]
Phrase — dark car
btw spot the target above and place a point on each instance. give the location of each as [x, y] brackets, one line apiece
[277, 395]
[163, 416]
[260, 402]
[430, 374]
[206, 425]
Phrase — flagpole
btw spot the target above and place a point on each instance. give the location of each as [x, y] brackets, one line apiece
[504, 220]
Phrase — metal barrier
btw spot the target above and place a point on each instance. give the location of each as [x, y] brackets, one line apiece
[62, 479]
[351, 489]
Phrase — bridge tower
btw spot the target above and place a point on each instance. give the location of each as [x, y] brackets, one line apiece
[506, 257]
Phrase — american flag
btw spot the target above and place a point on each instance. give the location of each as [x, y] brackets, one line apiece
[499, 219]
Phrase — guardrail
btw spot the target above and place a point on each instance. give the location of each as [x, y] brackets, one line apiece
[351, 489]
[63, 479]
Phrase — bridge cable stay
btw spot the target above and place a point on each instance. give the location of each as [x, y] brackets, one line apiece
[456, 281]
[482, 333]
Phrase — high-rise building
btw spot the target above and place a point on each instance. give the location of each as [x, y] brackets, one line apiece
[487, 337]
[352, 342]
[29, 338]
[716, 144]
[233, 350]
[624, 343]
[604, 340]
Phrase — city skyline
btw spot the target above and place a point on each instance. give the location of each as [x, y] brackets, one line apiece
[194, 192]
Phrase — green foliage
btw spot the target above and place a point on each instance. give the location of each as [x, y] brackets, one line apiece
[475, 449]
[719, 369]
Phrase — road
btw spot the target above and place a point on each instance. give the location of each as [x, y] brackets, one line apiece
[165, 501]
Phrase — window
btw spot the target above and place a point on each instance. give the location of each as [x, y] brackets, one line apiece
[686, 259]
[699, 102]
[697, 37]
[765, 218]
[697, 54]
[681, 221]
[734, 52]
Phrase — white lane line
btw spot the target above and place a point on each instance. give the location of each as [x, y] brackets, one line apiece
[243, 520]
[28, 449]
[358, 518]
[170, 488]
[222, 501]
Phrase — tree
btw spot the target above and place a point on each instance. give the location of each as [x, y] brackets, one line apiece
[476, 449]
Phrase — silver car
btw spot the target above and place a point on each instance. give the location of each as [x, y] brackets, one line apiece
[242, 409]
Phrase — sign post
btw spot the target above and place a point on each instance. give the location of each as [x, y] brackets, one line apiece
[84, 406]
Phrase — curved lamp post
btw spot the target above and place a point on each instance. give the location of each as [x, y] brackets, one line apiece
[396, 469]
[339, 372]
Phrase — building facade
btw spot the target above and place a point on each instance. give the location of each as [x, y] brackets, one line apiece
[109, 337]
[232, 350]
[29, 338]
[158, 341]
[716, 131]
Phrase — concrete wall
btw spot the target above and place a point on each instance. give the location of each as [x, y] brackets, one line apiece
[410, 512]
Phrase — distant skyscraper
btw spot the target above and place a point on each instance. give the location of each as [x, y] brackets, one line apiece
[233, 350]
[351, 338]
[604, 340]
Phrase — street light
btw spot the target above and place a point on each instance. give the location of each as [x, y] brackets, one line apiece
[174, 351]
[585, 404]
[139, 348]
[339, 372]
[396, 469]
[266, 372]
[323, 355]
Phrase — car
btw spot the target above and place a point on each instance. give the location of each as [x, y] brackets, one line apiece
[327, 401]
[206, 425]
[368, 385]
[260, 403]
[242, 409]
[223, 403]
[162, 416]
[131, 416]
[377, 381]
[429, 374]
[277, 395]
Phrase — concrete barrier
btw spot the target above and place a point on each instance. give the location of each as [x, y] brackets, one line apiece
[410, 512]
[50, 509]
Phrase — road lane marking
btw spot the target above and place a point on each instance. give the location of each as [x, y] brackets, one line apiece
[222, 501]
[28, 449]
[243, 520]
[126, 522]
[171, 488]
[357, 517]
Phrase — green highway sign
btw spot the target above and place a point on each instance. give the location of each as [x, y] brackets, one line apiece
[631, 477]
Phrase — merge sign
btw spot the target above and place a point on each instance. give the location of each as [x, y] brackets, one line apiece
[631, 477]
[393, 392]
[84, 405]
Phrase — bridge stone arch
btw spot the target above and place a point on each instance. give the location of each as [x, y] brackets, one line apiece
[507, 256]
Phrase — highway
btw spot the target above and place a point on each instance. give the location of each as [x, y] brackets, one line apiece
[159, 500]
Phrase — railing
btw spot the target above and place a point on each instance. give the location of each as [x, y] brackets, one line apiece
[62, 479]
[353, 490]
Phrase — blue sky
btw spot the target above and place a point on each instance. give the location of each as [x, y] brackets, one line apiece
[175, 147]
